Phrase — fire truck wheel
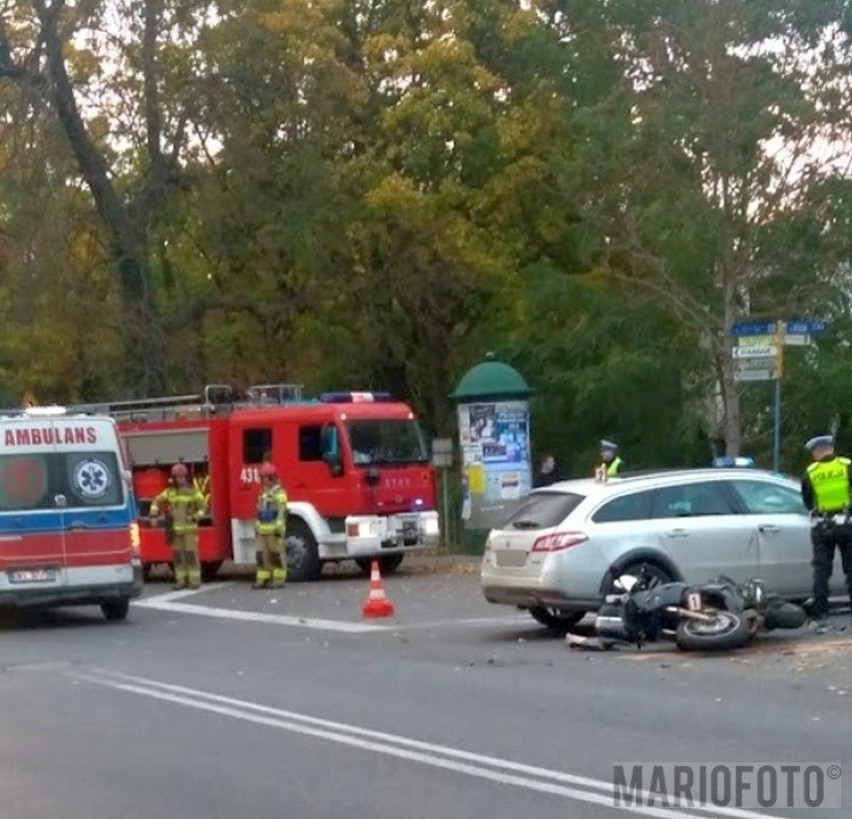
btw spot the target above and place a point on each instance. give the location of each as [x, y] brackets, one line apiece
[209, 568]
[303, 563]
[387, 564]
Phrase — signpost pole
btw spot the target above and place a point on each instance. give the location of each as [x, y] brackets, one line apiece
[448, 535]
[758, 342]
[779, 371]
[442, 459]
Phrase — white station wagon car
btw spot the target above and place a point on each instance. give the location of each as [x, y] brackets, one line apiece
[557, 552]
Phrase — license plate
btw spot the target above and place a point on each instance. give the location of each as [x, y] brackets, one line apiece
[33, 576]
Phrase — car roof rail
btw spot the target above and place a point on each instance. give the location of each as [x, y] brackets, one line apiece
[691, 470]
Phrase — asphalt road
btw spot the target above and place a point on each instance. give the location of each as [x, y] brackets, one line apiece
[236, 703]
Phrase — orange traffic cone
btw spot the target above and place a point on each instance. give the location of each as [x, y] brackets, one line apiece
[377, 605]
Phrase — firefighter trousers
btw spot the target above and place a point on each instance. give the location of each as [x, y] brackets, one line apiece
[825, 540]
[185, 556]
[271, 561]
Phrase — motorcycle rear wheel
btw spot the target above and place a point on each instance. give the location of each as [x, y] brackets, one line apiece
[728, 630]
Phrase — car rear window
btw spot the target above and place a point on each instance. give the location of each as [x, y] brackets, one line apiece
[543, 510]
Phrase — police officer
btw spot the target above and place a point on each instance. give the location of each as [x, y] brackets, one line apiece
[827, 494]
[185, 508]
[271, 527]
[611, 463]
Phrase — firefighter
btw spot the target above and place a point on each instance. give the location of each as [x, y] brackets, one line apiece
[185, 508]
[827, 494]
[271, 528]
[611, 464]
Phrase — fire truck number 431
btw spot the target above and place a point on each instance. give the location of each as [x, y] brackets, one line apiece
[250, 474]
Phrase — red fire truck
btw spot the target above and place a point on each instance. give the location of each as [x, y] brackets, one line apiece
[355, 466]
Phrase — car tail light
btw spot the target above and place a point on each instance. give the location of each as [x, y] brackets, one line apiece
[559, 541]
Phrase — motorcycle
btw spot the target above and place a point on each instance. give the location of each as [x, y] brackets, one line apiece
[718, 615]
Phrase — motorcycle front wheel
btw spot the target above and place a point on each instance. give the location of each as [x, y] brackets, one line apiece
[728, 630]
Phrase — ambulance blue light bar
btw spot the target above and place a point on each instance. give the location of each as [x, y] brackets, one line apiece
[355, 397]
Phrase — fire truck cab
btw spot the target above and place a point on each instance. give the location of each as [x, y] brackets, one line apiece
[355, 467]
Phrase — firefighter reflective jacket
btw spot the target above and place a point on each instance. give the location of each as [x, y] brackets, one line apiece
[272, 510]
[186, 507]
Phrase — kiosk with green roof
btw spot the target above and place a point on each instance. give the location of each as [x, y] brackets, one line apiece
[492, 401]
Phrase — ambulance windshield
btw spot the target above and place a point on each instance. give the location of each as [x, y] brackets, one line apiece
[386, 442]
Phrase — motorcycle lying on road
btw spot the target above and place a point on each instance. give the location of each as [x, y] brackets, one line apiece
[718, 615]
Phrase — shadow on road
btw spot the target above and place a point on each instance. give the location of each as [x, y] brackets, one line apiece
[23, 619]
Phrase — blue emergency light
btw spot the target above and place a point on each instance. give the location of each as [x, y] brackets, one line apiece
[728, 461]
[354, 397]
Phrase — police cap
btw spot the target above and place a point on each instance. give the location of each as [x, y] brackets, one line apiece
[608, 445]
[820, 441]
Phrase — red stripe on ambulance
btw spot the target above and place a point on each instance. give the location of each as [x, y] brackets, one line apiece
[94, 548]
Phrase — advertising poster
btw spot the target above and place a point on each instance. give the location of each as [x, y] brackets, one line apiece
[495, 449]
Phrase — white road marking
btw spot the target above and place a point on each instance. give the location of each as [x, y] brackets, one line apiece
[169, 602]
[259, 617]
[180, 594]
[503, 771]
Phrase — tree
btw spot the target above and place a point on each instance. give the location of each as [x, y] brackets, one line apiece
[726, 117]
[43, 52]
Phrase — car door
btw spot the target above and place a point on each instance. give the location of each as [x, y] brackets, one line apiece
[697, 526]
[622, 525]
[776, 511]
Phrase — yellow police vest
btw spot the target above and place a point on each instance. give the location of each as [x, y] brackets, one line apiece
[613, 468]
[830, 481]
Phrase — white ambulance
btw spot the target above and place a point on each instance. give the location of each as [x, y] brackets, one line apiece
[68, 532]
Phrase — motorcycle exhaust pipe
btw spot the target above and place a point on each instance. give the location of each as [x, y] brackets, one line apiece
[690, 615]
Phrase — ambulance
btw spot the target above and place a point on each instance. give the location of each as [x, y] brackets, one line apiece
[355, 465]
[68, 531]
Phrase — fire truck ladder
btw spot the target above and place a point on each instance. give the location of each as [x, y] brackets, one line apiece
[216, 400]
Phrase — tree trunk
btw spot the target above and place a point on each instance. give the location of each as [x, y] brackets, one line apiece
[126, 235]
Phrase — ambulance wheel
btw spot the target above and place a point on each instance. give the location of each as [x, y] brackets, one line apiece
[209, 569]
[115, 609]
[303, 563]
[388, 564]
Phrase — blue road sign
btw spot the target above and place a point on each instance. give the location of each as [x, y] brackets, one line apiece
[805, 326]
[753, 328]
[794, 327]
